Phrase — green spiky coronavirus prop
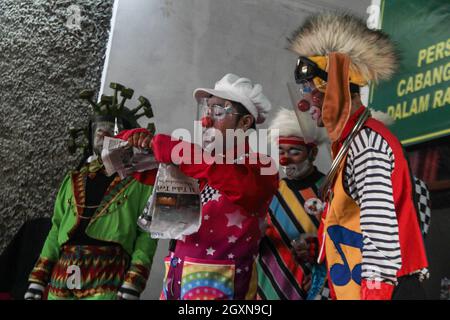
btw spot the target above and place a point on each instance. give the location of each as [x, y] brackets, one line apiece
[113, 106]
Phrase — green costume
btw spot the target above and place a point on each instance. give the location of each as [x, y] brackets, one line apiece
[95, 249]
[114, 221]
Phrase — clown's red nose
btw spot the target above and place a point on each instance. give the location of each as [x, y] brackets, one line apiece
[284, 161]
[207, 122]
[303, 105]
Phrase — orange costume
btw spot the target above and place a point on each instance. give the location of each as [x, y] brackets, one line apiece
[370, 228]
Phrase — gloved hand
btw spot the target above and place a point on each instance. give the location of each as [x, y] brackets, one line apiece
[306, 250]
[128, 292]
[376, 290]
[139, 138]
[35, 291]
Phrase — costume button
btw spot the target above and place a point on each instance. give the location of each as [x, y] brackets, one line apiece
[174, 262]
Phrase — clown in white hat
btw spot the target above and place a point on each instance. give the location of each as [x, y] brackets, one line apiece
[235, 197]
[234, 104]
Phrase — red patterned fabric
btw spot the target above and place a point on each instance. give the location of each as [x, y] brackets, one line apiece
[137, 276]
[41, 271]
[102, 271]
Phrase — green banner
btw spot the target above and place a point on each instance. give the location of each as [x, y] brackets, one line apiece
[418, 96]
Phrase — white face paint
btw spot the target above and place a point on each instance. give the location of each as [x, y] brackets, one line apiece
[297, 170]
[209, 137]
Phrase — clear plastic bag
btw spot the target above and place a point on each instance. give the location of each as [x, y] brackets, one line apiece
[174, 208]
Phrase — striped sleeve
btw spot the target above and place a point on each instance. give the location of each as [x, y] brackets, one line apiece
[370, 163]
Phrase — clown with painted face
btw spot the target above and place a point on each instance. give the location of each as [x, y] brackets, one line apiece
[371, 235]
[218, 262]
[287, 267]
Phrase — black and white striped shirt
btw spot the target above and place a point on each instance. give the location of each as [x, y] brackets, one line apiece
[370, 162]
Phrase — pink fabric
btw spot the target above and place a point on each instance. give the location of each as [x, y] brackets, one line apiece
[228, 232]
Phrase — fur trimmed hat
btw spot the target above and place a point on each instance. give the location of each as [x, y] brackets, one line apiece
[344, 47]
[371, 52]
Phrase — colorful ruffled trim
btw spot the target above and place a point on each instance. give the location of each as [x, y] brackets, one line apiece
[137, 276]
[42, 271]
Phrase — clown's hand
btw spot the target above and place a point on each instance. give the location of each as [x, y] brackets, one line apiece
[35, 291]
[128, 292]
[141, 140]
[305, 250]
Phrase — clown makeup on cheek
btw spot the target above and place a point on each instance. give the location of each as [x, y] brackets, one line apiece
[295, 160]
[210, 137]
[315, 113]
[309, 97]
[307, 102]
[317, 102]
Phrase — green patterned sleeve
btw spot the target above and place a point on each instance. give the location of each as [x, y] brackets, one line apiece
[50, 251]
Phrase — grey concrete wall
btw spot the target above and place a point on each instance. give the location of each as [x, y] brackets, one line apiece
[166, 48]
[43, 66]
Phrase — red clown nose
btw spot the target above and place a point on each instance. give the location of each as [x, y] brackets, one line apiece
[284, 161]
[207, 122]
[303, 105]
